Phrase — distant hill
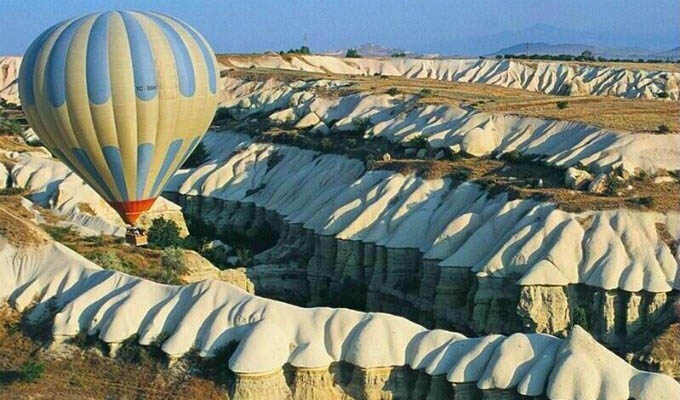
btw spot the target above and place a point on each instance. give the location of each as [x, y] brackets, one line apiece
[576, 49]
[371, 50]
[461, 44]
[672, 53]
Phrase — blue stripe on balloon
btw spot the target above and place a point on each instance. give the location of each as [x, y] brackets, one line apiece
[113, 159]
[55, 73]
[97, 61]
[28, 66]
[143, 66]
[144, 158]
[212, 78]
[85, 161]
[185, 68]
[169, 158]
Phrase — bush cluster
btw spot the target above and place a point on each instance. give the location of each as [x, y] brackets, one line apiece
[352, 53]
[164, 233]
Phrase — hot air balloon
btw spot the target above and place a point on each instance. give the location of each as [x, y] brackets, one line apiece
[122, 98]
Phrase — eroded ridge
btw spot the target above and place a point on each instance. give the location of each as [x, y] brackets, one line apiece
[546, 77]
[209, 315]
[401, 118]
[445, 220]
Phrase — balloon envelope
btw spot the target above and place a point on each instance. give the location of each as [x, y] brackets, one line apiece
[122, 98]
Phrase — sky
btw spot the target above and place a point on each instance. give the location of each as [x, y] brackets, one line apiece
[433, 26]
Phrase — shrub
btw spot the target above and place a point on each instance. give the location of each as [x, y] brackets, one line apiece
[108, 259]
[397, 55]
[58, 233]
[425, 91]
[164, 233]
[11, 191]
[663, 128]
[514, 156]
[579, 316]
[326, 144]
[392, 91]
[361, 125]
[193, 242]
[612, 185]
[417, 141]
[245, 256]
[460, 174]
[31, 371]
[562, 104]
[352, 53]
[662, 95]
[370, 162]
[8, 126]
[172, 261]
[301, 50]
[646, 201]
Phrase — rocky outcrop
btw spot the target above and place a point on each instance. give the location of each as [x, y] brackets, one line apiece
[543, 76]
[283, 351]
[400, 119]
[421, 249]
[9, 71]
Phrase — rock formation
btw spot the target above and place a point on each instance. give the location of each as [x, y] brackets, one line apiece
[399, 119]
[543, 76]
[286, 352]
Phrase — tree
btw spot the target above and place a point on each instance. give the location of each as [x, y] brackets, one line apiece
[352, 53]
[164, 233]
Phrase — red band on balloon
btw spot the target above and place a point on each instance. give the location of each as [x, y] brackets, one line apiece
[130, 210]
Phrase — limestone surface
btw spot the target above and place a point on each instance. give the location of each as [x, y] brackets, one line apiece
[208, 315]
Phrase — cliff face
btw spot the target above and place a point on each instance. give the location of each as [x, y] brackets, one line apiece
[443, 254]
[285, 352]
[324, 270]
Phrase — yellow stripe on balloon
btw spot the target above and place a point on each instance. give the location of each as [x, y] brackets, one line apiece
[194, 108]
[58, 120]
[167, 93]
[124, 100]
[93, 122]
[42, 104]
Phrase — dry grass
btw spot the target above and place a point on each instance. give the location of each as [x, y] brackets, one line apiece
[519, 180]
[85, 374]
[666, 350]
[15, 225]
[14, 143]
[139, 261]
[632, 115]
[633, 66]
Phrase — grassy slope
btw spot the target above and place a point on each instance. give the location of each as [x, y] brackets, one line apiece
[83, 373]
[633, 115]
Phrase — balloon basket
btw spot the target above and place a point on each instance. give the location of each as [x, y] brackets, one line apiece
[136, 236]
